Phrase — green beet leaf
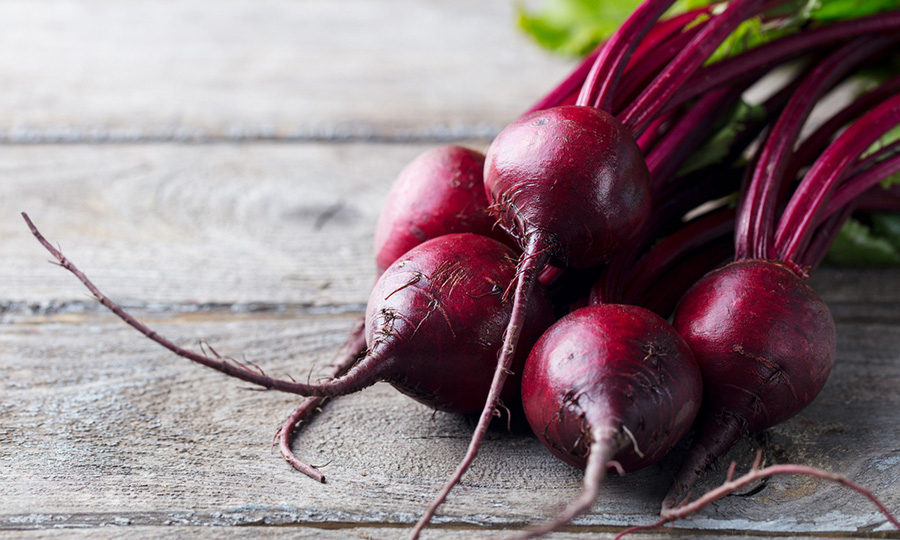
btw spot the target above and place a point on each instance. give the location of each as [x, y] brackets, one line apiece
[859, 245]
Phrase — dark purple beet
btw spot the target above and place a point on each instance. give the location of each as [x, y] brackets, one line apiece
[609, 384]
[572, 175]
[612, 367]
[440, 192]
[765, 343]
[436, 318]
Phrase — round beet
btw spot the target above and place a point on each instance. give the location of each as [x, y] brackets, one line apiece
[573, 176]
[765, 343]
[609, 384]
[615, 368]
[436, 318]
[440, 192]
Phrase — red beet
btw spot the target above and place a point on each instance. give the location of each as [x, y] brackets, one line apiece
[440, 192]
[729, 320]
[434, 322]
[609, 383]
[614, 368]
[764, 340]
[436, 318]
[765, 343]
[570, 179]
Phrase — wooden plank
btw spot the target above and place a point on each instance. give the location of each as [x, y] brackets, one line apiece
[264, 224]
[264, 250]
[339, 533]
[861, 294]
[178, 70]
[258, 223]
[100, 427]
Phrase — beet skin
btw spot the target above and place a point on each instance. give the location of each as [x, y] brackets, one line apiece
[611, 367]
[764, 340]
[574, 176]
[765, 343]
[440, 192]
[436, 317]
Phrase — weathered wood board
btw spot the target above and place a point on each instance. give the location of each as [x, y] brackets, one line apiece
[189, 70]
[101, 428]
[258, 241]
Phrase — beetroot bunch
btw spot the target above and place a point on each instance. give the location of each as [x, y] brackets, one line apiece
[544, 272]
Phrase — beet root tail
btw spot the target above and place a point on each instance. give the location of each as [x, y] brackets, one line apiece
[603, 449]
[718, 433]
[347, 356]
[363, 374]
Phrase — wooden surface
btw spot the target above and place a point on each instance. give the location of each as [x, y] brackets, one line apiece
[218, 168]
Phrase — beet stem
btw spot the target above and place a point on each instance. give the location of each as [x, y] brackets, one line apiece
[357, 380]
[817, 141]
[646, 106]
[683, 138]
[655, 131]
[534, 258]
[802, 212]
[665, 34]
[756, 219]
[569, 85]
[780, 50]
[854, 186]
[668, 251]
[613, 57]
[349, 353]
[844, 202]
[603, 448]
[824, 236]
[634, 80]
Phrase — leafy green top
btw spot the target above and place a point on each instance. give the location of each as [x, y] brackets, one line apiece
[575, 27]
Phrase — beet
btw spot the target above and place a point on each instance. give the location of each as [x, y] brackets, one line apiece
[439, 192]
[571, 179]
[611, 367]
[436, 317]
[743, 342]
[765, 343]
[609, 384]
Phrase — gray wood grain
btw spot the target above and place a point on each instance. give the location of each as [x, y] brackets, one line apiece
[259, 222]
[329, 533]
[189, 70]
[356, 532]
[103, 428]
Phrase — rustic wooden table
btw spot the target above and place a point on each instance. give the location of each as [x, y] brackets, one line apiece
[218, 168]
